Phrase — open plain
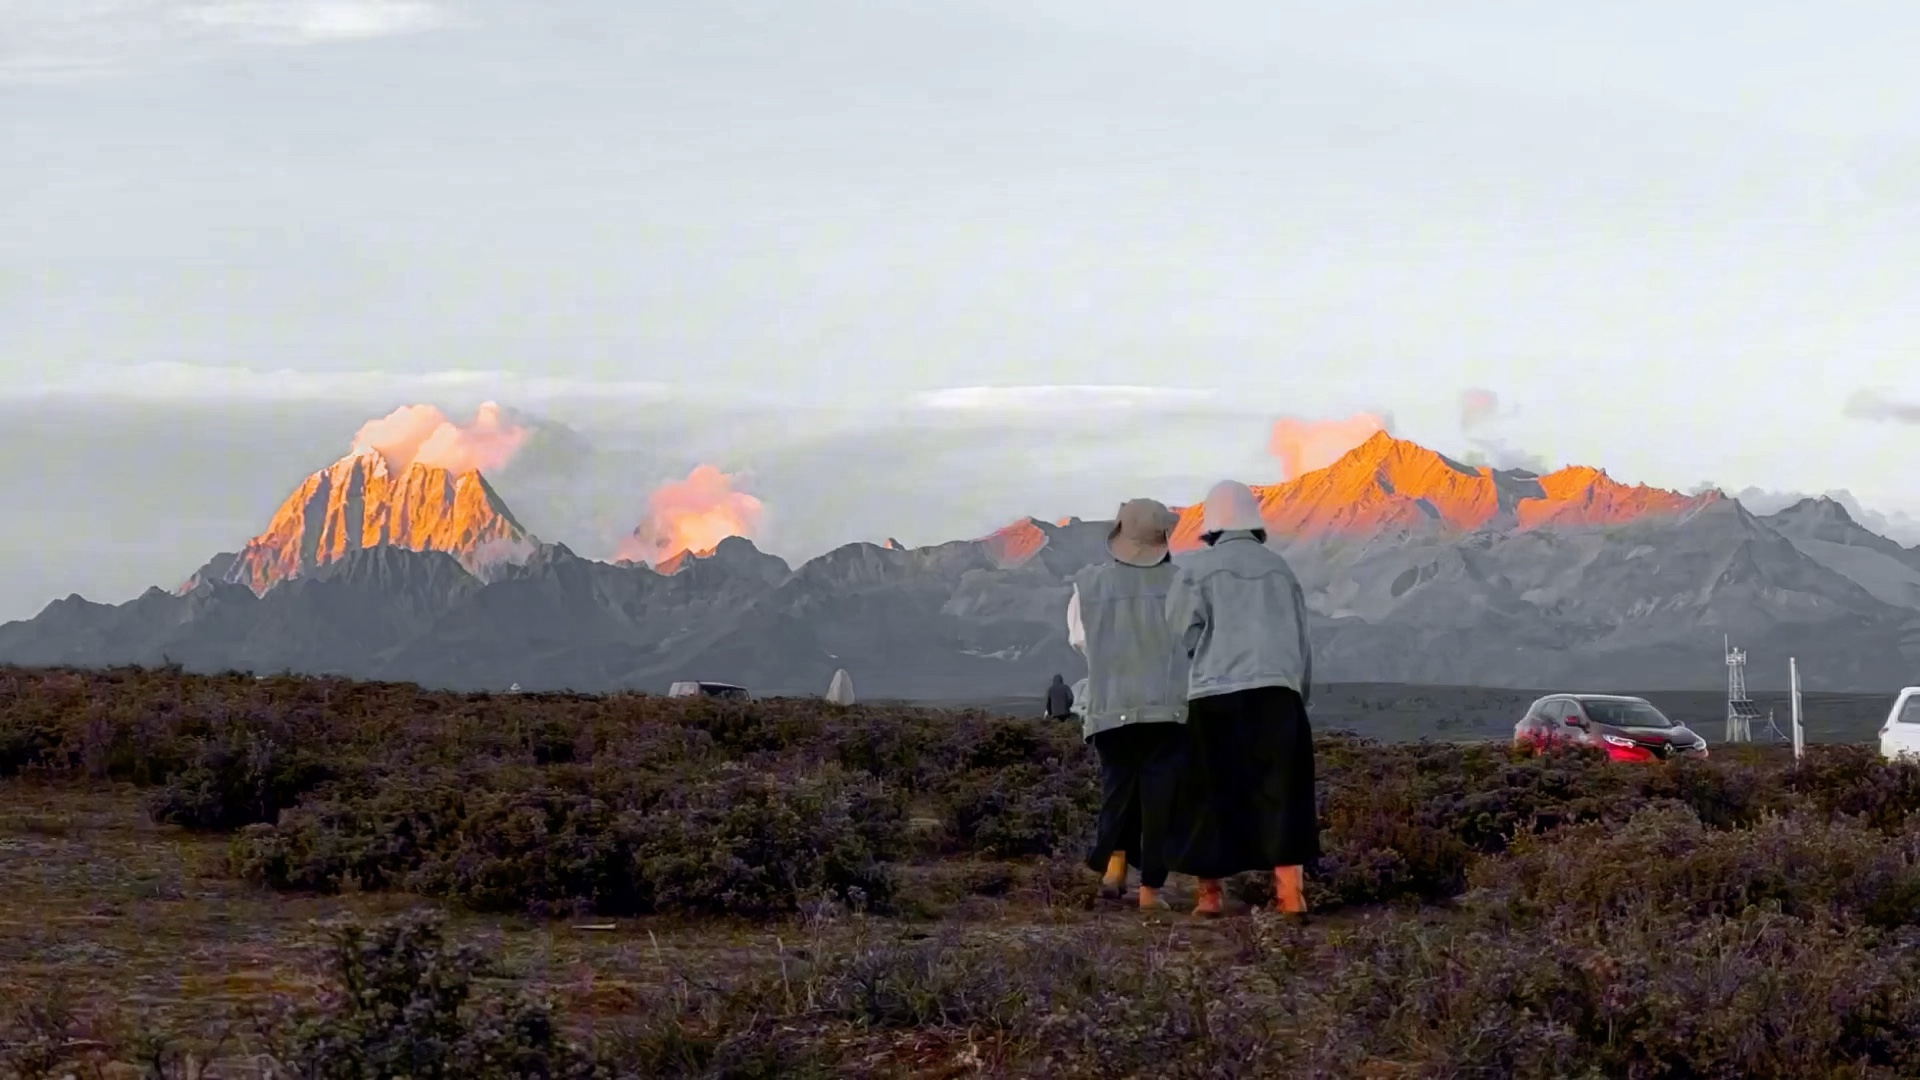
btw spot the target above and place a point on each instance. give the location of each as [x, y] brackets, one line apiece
[230, 876]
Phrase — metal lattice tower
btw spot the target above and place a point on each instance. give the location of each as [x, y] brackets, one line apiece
[1741, 710]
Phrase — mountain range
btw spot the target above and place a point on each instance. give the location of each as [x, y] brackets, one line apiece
[1419, 569]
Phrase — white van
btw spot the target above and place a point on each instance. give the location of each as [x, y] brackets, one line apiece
[727, 691]
[1900, 735]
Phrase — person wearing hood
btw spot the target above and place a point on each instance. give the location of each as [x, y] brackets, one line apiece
[1059, 699]
[1136, 697]
[1247, 796]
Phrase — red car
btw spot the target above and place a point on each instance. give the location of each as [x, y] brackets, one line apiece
[1627, 728]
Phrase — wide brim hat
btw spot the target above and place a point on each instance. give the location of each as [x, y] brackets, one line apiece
[1141, 532]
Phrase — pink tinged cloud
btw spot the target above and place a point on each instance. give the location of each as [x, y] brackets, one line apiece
[694, 515]
[424, 434]
[1305, 445]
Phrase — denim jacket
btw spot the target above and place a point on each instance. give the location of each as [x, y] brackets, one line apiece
[1136, 670]
[1241, 616]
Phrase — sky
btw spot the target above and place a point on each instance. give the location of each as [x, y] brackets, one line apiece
[841, 248]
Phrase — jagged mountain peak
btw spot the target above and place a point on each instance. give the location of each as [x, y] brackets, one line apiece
[732, 555]
[1016, 544]
[1815, 508]
[1391, 486]
[361, 501]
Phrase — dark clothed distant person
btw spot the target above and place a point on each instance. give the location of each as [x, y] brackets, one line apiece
[1136, 697]
[1059, 699]
[1247, 794]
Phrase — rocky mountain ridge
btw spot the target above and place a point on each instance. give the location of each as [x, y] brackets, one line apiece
[1419, 569]
[363, 502]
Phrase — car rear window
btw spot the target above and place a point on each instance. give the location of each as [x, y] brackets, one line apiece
[1910, 712]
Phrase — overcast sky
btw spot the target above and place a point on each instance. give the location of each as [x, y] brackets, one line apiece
[1675, 240]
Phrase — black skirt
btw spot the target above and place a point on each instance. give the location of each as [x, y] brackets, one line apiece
[1140, 773]
[1246, 799]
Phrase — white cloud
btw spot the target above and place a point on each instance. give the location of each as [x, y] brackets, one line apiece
[61, 40]
[1895, 525]
[188, 383]
[1056, 398]
[1875, 404]
[318, 20]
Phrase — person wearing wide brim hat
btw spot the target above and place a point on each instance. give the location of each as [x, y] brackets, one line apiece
[1136, 697]
[1247, 799]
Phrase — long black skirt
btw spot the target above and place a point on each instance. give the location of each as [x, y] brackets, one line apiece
[1140, 771]
[1246, 799]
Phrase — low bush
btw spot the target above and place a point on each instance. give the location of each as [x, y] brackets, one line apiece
[1665, 861]
[1857, 782]
[1763, 996]
[626, 803]
[1022, 809]
[403, 1001]
[239, 779]
[732, 841]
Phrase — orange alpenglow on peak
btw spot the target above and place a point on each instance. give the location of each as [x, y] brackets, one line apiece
[1015, 544]
[1389, 485]
[360, 502]
[680, 560]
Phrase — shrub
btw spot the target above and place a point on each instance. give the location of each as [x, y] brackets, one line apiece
[739, 842]
[1022, 809]
[1665, 861]
[240, 779]
[1763, 996]
[404, 1002]
[756, 844]
[1856, 781]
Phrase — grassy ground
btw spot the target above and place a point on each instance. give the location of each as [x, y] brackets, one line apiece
[230, 870]
[137, 927]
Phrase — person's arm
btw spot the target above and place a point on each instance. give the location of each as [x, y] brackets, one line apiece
[1306, 644]
[1076, 632]
[1186, 611]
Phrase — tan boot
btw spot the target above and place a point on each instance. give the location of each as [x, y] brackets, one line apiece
[1289, 896]
[1150, 899]
[1113, 884]
[1208, 901]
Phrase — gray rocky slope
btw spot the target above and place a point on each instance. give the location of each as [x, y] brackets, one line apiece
[1641, 604]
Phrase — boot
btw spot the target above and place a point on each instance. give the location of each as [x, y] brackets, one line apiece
[1113, 884]
[1150, 899]
[1208, 901]
[1289, 898]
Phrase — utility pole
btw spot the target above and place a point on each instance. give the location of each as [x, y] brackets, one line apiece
[1799, 733]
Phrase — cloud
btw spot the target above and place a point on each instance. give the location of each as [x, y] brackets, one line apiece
[1479, 410]
[188, 383]
[47, 41]
[318, 21]
[1478, 407]
[693, 514]
[1872, 404]
[424, 434]
[1305, 445]
[1062, 398]
[1898, 526]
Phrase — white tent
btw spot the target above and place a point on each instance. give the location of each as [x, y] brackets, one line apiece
[840, 690]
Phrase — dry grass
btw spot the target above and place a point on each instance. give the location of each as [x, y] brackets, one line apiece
[141, 925]
[1484, 915]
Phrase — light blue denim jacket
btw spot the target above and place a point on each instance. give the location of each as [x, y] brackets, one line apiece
[1136, 670]
[1241, 615]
